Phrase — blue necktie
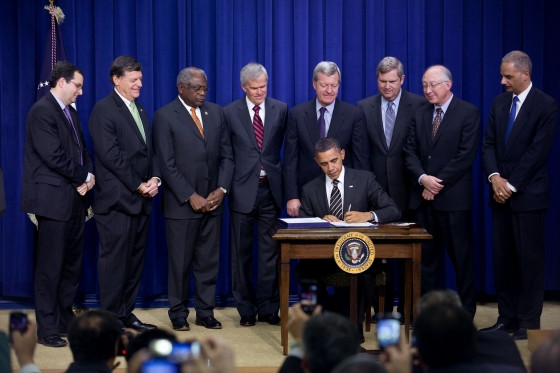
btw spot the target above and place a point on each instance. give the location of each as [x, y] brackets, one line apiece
[321, 123]
[511, 117]
[389, 123]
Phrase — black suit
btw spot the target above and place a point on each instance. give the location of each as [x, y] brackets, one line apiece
[191, 164]
[387, 163]
[364, 193]
[518, 224]
[361, 190]
[123, 161]
[447, 218]
[251, 201]
[347, 126]
[51, 174]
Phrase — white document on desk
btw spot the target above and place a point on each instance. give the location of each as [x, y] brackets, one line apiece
[343, 224]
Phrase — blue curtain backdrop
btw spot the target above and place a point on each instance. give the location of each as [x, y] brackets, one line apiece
[288, 37]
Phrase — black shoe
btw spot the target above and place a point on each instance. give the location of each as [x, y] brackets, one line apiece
[52, 340]
[180, 323]
[271, 318]
[248, 320]
[139, 326]
[208, 322]
[520, 334]
[361, 338]
[499, 326]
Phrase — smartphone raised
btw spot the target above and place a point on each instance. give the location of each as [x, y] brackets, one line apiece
[388, 332]
[308, 296]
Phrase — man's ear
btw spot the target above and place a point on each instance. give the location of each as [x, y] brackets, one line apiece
[342, 153]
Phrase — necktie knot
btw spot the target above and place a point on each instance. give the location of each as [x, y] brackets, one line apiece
[322, 110]
[390, 105]
[256, 109]
[439, 110]
[515, 99]
[335, 182]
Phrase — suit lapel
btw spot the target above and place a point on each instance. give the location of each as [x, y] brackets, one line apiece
[322, 196]
[402, 114]
[245, 119]
[348, 190]
[185, 117]
[337, 119]
[311, 122]
[63, 117]
[378, 121]
[447, 118]
[428, 124]
[520, 120]
[269, 120]
[127, 115]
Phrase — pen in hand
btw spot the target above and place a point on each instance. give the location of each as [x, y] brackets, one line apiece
[349, 208]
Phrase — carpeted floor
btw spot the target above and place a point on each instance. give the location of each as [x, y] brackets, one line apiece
[258, 346]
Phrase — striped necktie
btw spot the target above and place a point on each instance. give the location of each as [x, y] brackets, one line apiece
[137, 119]
[389, 123]
[336, 201]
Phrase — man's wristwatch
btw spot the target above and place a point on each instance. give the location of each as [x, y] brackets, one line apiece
[223, 190]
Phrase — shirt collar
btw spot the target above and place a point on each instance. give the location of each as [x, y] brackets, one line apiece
[62, 106]
[523, 95]
[396, 101]
[251, 105]
[185, 105]
[330, 107]
[127, 102]
[340, 177]
[445, 106]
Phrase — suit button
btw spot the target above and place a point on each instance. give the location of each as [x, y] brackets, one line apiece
[429, 157]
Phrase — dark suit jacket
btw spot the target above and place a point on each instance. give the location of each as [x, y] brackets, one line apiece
[123, 159]
[348, 126]
[388, 163]
[51, 168]
[361, 190]
[247, 157]
[522, 161]
[449, 157]
[189, 163]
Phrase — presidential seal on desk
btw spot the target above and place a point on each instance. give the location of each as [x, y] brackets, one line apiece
[354, 252]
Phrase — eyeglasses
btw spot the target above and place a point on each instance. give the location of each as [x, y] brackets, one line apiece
[432, 85]
[199, 89]
[78, 86]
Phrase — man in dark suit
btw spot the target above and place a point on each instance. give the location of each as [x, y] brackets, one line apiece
[192, 145]
[518, 138]
[128, 179]
[308, 122]
[439, 154]
[328, 196]
[388, 117]
[256, 124]
[57, 173]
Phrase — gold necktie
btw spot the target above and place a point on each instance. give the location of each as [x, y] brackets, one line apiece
[197, 121]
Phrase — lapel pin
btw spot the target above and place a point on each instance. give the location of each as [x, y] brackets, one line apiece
[350, 186]
[205, 113]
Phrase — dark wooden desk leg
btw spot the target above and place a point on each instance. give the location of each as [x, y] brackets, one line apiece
[416, 274]
[408, 284]
[354, 299]
[284, 294]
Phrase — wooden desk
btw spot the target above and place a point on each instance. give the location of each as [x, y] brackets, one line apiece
[390, 242]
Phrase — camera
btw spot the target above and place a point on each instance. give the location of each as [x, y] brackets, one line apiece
[308, 296]
[388, 330]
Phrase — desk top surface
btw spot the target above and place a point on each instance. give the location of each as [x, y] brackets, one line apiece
[379, 232]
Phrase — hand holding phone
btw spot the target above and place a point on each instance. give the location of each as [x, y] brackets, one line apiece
[308, 296]
[388, 332]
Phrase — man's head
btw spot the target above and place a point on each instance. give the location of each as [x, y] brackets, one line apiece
[390, 77]
[437, 82]
[254, 80]
[448, 297]
[328, 339]
[445, 335]
[326, 80]
[192, 86]
[126, 76]
[66, 82]
[516, 69]
[329, 156]
[94, 337]
[546, 358]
